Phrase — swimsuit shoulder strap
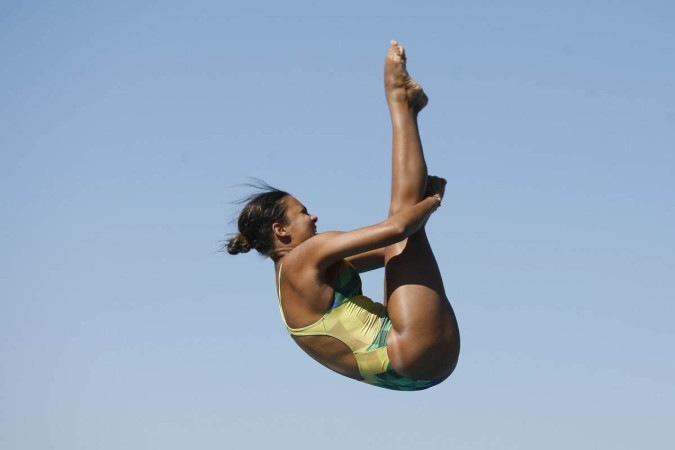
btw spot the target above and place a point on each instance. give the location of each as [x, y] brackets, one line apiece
[315, 329]
[281, 310]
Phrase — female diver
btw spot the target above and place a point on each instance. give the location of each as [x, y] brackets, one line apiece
[411, 342]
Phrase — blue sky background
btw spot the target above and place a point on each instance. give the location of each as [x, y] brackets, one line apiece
[128, 128]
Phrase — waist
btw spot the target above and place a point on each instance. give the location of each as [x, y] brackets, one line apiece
[356, 322]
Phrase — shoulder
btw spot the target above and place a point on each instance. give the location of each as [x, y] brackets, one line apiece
[302, 262]
[307, 260]
[304, 286]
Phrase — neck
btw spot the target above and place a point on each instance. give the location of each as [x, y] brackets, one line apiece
[280, 251]
[278, 254]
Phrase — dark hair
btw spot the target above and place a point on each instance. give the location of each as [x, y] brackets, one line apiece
[256, 218]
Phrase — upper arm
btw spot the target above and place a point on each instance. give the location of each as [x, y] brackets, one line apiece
[366, 261]
[362, 244]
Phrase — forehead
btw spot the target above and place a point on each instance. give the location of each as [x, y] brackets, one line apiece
[293, 203]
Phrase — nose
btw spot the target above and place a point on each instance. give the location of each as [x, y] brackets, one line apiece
[315, 219]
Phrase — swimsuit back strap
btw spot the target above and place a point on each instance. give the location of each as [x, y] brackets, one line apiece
[315, 329]
[281, 310]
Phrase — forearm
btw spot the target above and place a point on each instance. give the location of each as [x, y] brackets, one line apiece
[411, 219]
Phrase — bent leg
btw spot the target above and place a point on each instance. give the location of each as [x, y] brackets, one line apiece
[424, 342]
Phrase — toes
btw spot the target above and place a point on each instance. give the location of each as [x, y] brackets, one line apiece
[398, 49]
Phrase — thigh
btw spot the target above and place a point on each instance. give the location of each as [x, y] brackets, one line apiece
[410, 267]
[424, 342]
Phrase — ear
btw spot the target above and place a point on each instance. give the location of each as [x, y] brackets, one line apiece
[279, 230]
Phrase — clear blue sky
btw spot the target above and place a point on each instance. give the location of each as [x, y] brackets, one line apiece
[127, 126]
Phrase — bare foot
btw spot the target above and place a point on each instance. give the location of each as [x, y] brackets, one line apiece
[435, 186]
[398, 85]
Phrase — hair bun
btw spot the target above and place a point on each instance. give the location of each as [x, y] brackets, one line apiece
[238, 244]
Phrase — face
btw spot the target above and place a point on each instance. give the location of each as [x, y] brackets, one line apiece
[300, 224]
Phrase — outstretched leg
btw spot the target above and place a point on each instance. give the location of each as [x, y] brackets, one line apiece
[406, 99]
[424, 341]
